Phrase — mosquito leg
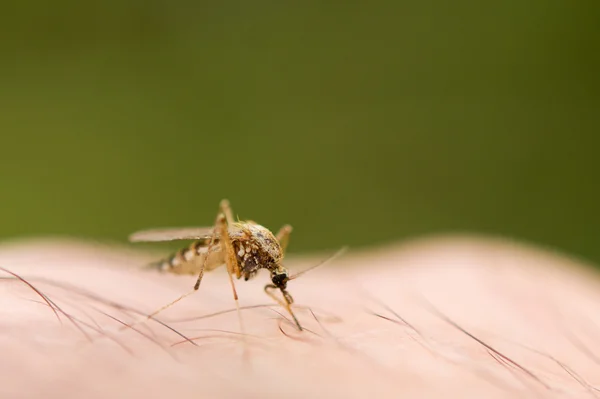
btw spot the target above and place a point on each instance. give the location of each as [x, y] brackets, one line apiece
[286, 303]
[230, 258]
[220, 227]
[283, 236]
[226, 209]
[235, 295]
[221, 220]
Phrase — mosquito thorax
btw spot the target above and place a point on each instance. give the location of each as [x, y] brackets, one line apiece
[255, 248]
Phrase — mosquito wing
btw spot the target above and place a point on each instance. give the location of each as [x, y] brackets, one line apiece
[171, 234]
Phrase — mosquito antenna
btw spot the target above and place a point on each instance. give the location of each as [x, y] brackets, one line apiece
[331, 258]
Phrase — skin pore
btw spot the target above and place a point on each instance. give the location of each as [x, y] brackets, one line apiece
[440, 317]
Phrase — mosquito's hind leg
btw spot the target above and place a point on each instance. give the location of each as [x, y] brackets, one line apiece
[283, 236]
[221, 220]
[220, 226]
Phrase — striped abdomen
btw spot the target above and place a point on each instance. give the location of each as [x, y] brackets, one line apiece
[189, 260]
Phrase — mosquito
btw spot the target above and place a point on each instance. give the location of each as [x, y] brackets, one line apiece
[244, 247]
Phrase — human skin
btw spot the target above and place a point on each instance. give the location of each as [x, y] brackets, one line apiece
[442, 317]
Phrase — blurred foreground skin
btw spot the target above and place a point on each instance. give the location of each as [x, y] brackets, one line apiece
[448, 317]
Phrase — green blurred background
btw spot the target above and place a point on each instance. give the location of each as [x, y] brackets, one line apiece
[357, 122]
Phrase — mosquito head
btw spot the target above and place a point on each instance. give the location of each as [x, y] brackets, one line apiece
[280, 277]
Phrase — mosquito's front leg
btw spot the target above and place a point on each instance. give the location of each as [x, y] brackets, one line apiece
[283, 236]
[286, 303]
